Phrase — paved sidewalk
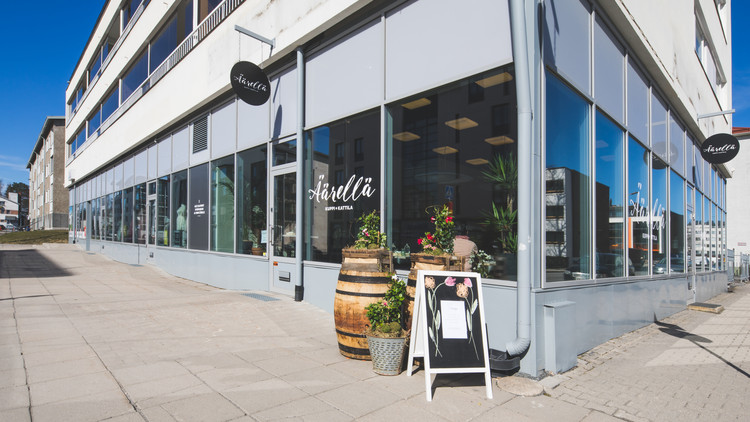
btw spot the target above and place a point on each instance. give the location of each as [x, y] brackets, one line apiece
[84, 338]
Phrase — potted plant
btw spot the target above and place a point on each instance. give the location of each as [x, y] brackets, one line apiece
[501, 220]
[385, 337]
[364, 279]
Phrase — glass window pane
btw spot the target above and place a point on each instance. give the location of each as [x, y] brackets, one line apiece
[659, 217]
[197, 210]
[676, 224]
[708, 251]
[139, 209]
[94, 122]
[343, 185]
[162, 211]
[252, 190]
[659, 128]
[676, 146]
[95, 229]
[205, 7]
[135, 76]
[638, 207]
[714, 240]
[445, 148]
[179, 209]
[222, 204]
[285, 215]
[699, 232]
[609, 72]
[610, 178]
[567, 36]
[637, 104]
[690, 228]
[163, 45]
[108, 226]
[284, 152]
[127, 215]
[567, 178]
[110, 104]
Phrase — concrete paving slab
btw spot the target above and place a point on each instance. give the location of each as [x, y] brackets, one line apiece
[94, 407]
[72, 388]
[203, 408]
[359, 399]
[14, 398]
[263, 395]
[69, 368]
[306, 409]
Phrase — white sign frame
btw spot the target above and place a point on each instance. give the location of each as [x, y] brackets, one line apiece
[418, 346]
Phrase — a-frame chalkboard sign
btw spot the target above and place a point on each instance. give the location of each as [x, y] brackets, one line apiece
[448, 326]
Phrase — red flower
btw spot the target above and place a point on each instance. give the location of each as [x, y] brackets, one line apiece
[419, 241]
[448, 219]
[429, 236]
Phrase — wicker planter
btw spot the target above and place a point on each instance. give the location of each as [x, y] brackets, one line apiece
[387, 354]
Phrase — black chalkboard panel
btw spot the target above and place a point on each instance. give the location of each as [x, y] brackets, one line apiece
[454, 324]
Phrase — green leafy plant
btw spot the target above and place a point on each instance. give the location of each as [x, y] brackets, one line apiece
[369, 235]
[441, 240]
[503, 222]
[481, 262]
[385, 314]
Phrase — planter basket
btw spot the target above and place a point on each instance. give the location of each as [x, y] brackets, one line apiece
[387, 354]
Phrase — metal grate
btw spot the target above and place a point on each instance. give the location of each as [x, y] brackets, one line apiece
[200, 134]
[264, 298]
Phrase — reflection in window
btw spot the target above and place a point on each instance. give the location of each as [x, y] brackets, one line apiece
[135, 76]
[708, 251]
[637, 103]
[638, 207]
[659, 217]
[676, 147]
[127, 215]
[107, 225]
[444, 148]
[175, 31]
[95, 219]
[715, 254]
[567, 152]
[162, 211]
[285, 215]
[610, 174]
[179, 209]
[252, 184]
[110, 104]
[205, 7]
[690, 228]
[222, 205]
[676, 223]
[284, 152]
[333, 217]
[139, 211]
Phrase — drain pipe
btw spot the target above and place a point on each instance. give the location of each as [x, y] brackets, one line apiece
[299, 289]
[523, 95]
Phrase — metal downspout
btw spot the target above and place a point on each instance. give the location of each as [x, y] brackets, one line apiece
[523, 95]
[299, 288]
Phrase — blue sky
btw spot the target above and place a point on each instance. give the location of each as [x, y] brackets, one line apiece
[44, 39]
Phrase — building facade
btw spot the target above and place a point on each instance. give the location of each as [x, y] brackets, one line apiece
[564, 134]
[48, 196]
[9, 211]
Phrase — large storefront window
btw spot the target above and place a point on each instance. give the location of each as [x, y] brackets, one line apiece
[456, 146]
[139, 211]
[690, 228]
[95, 232]
[127, 215]
[568, 228]
[252, 190]
[222, 204]
[610, 173]
[117, 217]
[162, 211]
[343, 183]
[707, 250]
[639, 234]
[179, 209]
[659, 216]
[107, 224]
[198, 208]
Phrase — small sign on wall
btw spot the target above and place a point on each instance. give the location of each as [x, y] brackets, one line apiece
[250, 83]
[720, 148]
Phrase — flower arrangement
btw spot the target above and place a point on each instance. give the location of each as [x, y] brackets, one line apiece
[463, 290]
[481, 262]
[369, 235]
[441, 241]
[385, 315]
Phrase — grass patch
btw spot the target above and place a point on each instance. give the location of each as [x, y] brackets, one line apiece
[34, 237]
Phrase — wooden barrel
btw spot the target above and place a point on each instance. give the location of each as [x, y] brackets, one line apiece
[363, 279]
[423, 261]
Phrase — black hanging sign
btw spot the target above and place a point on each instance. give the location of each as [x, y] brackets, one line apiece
[448, 326]
[720, 148]
[250, 83]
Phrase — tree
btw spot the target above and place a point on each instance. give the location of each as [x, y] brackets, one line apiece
[22, 189]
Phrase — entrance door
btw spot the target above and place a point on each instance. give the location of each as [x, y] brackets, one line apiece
[151, 209]
[283, 233]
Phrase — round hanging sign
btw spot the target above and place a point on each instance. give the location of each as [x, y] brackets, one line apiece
[250, 83]
[720, 148]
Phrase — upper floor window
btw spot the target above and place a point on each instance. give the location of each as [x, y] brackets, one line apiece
[205, 7]
[173, 33]
[128, 11]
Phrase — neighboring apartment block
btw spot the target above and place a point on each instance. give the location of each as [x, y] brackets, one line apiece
[9, 211]
[48, 196]
[564, 134]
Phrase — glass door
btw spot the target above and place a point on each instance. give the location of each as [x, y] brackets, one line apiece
[283, 233]
[151, 201]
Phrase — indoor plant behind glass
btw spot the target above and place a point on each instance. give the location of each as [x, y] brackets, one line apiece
[385, 337]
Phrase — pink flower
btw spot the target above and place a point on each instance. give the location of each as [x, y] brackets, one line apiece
[385, 303]
[432, 218]
[450, 281]
[467, 282]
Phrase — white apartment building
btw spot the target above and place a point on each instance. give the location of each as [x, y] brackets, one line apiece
[48, 196]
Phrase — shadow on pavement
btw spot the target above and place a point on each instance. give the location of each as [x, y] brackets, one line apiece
[28, 263]
[677, 331]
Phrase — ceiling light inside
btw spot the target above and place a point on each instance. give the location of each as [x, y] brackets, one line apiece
[499, 140]
[462, 123]
[421, 102]
[445, 150]
[405, 136]
[477, 161]
[495, 80]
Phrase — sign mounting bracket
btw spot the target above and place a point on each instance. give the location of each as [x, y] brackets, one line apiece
[249, 33]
